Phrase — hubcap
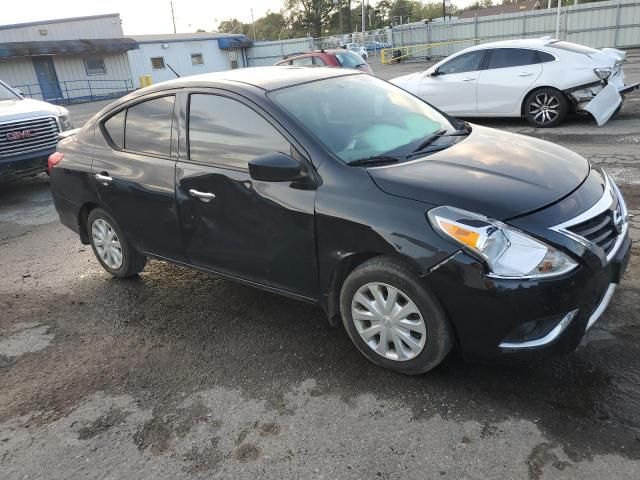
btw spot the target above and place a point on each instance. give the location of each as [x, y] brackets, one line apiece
[388, 321]
[544, 108]
[107, 243]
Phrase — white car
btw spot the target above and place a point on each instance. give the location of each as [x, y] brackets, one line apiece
[540, 79]
[359, 49]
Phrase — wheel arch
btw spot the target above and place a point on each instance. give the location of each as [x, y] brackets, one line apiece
[347, 265]
[541, 87]
[83, 215]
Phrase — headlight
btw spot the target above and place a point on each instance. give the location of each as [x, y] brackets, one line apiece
[507, 251]
[603, 73]
[65, 122]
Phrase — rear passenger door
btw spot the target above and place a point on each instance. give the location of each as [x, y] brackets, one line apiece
[134, 173]
[506, 78]
[259, 231]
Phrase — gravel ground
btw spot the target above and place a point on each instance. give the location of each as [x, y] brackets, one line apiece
[179, 375]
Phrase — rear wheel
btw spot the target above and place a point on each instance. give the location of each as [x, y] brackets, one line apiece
[545, 108]
[392, 319]
[110, 246]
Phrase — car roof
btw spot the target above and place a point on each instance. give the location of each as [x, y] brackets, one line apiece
[266, 78]
[519, 43]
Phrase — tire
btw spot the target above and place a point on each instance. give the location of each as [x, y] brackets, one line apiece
[435, 335]
[99, 227]
[545, 108]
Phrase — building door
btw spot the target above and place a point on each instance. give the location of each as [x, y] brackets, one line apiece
[47, 78]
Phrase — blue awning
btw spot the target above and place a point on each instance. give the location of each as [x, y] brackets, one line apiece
[67, 47]
[234, 41]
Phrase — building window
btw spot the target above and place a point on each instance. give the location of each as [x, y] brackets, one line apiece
[95, 66]
[157, 63]
[196, 59]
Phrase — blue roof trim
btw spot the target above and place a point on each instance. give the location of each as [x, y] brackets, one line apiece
[235, 41]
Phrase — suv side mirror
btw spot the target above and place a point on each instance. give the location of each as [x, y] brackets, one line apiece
[274, 167]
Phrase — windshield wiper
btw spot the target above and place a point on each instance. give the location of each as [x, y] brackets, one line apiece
[375, 160]
[429, 140]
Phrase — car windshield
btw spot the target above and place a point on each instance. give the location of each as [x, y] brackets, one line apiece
[6, 93]
[360, 116]
[348, 59]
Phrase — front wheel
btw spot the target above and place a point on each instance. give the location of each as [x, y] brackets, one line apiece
[545, 108]
[392, 319]
[111, 247]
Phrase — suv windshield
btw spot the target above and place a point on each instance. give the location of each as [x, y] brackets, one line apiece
[360, 116]
[6, 93]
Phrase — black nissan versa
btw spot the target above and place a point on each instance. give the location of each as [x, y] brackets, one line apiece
[418, 230]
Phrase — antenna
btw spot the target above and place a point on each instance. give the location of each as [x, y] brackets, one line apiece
[173, 17]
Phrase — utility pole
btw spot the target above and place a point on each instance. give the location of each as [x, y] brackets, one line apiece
[364, 21]
[558, 20]
[254, 25]
[173, 17]
[444, 10]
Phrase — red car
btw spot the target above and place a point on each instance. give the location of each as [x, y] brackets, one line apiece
[337, 58]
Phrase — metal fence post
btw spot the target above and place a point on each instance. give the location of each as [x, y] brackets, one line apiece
[475, 29]
[66, 90]
[615, 34]
[90, 91]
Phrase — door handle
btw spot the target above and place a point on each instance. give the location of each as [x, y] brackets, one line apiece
[104, 178]
[204, 196]
[525, 74]
[468, 79]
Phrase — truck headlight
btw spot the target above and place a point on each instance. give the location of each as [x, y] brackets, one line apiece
[65, 122]
[507, 252]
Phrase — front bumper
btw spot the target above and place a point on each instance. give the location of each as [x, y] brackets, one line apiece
[485, 311]
[18, 166]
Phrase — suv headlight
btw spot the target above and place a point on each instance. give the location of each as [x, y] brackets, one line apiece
[507, 252]
[65, 122]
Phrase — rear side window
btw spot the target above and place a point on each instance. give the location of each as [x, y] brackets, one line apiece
[115, 128]
[511, 57]
[319, 61]
[546, 57]
[302, 61]
[148, 126]
[467, 62]
[223, 131]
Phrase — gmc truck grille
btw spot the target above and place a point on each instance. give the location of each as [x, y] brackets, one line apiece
[27, 136]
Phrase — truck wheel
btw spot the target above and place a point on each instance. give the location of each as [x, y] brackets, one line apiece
[392, 319]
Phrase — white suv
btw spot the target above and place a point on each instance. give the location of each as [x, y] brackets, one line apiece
[28, 133]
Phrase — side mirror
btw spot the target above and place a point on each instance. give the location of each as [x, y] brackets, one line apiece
[274, 167]
[433, 73]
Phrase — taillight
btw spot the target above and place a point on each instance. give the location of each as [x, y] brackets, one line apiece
[54, 159]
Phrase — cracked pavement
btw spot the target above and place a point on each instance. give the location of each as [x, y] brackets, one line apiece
[180, 375]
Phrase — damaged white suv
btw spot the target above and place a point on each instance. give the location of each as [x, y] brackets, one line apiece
[540, 79]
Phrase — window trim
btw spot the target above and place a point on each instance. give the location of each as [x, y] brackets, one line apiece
[187, 155]
[481, 64]
[201, 64]
[164, 64]
[86, 68]
[173, 156]
[537, 51]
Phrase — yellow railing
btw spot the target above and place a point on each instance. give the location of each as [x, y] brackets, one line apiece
[386, 54]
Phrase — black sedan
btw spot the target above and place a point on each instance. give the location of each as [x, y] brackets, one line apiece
[419, 231]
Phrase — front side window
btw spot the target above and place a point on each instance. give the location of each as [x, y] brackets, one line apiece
[467, 62]
[358, 116]
[196, 59]
[223, 131]
[157, 63]
[148, 126]
[512, 57]
[95, 66]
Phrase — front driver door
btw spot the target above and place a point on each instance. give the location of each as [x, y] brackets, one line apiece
[259, 231]
[453, 87]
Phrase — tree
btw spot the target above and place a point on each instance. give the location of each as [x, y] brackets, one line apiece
[270, 27]
[311, 15]
[233, 25]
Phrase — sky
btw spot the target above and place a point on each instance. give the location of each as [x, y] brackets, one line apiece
[149, 16]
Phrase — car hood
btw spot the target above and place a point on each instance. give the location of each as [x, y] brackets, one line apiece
[494, 173]
[408, 82]
[19, 109]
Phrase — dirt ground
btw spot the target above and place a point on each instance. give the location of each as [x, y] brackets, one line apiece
[180, 375]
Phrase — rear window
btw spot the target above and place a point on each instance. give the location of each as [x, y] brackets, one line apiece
[349, 59]
[572, 47]
[511, 57]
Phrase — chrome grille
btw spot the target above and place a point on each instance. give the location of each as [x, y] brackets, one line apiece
[27, 136]
[599, 230]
